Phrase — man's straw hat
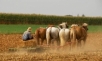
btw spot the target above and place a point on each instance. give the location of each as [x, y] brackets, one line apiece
[29, 29]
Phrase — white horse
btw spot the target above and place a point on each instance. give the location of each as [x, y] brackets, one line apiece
[52, 33]
[64, 34]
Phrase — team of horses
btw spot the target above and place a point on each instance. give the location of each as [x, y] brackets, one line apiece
[62, 34]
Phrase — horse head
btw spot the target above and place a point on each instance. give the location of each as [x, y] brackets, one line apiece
[84, 25]
[63, 25]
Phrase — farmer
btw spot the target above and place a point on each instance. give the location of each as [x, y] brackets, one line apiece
[27, 34]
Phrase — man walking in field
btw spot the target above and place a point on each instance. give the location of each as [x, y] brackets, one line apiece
[27, 34]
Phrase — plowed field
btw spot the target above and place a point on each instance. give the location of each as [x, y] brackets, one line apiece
[12, 48]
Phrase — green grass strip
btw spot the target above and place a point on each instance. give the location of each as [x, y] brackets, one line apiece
[6, 29]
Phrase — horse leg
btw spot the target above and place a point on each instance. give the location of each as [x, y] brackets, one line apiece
[58, 42]
[69, 43]
[84, 42]
[79, 44]
[38, 43]
[73, 45]
[48, 41]
[42, 40]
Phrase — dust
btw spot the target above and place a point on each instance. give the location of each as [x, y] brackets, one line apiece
[13, 48]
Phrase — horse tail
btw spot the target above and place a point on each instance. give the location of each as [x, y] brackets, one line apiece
[62, 37]
[48, 35]
[73, 35]
[37, 36]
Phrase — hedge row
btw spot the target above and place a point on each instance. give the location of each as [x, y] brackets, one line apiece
[46, 19]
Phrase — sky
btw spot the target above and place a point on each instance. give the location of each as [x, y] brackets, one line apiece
[53, 7]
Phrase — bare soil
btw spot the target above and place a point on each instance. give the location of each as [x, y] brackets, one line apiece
[13, 48]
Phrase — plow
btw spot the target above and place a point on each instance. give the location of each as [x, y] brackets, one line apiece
[39, 48]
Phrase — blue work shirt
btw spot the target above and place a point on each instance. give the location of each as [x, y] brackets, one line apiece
[26, 35]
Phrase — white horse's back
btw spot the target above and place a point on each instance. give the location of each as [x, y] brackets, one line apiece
[64, 36]
[52, 33]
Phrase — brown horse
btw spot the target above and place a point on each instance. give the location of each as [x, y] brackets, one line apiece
[40, 33]
[78, 33]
